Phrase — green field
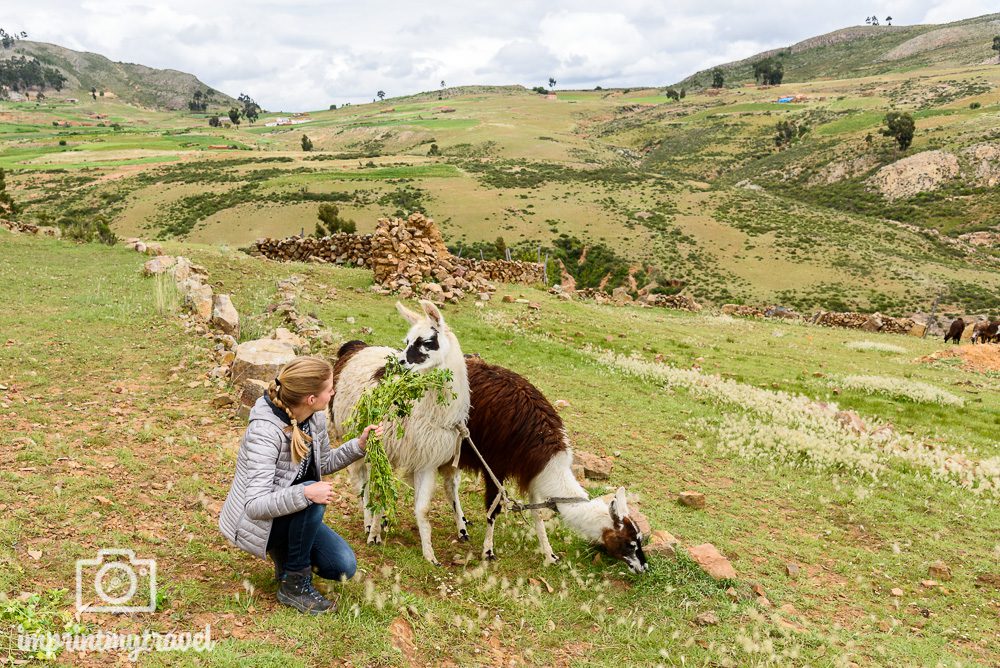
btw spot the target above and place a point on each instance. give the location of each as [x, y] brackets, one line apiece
[107, 429]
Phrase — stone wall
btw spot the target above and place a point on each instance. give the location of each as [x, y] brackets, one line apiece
[407, 256]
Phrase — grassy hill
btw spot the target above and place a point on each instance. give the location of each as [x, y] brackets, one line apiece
[111, 439]
[864, 51]
[615, 181]
[128, 82]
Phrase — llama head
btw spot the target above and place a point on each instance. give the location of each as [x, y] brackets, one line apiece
[624, 540]
[428, 342]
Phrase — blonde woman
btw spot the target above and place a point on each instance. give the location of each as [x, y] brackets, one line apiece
[276, 503]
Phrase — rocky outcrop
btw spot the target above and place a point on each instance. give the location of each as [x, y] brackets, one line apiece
[985, 162]
[871, 322]
[915, 174]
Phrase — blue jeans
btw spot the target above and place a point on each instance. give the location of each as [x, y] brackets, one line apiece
[304, 541]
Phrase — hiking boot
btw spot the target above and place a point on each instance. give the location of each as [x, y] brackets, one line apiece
[296, 590]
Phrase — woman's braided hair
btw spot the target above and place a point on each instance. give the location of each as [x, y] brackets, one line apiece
[298, 379]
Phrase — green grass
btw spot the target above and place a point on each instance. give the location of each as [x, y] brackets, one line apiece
[840, 527]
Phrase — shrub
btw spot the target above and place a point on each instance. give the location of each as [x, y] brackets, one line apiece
[331, 222]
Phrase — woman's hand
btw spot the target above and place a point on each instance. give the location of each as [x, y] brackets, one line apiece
[319, 492]
[363, 438]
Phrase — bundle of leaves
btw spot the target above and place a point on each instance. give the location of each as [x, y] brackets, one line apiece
[390, 402]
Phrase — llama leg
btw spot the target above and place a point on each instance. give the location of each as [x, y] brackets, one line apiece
[423, 491]
[452, 481]
[491, 493]
[543, 538]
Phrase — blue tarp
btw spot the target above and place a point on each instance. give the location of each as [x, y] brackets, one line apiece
[785, 99]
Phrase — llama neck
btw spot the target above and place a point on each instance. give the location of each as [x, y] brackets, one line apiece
[455, 362]
[588, 519]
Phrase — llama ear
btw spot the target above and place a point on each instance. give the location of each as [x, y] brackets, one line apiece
[432, 312]
[618, 508]
[408, 315]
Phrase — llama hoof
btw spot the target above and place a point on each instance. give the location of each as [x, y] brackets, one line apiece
[551, 559]
[467, 522]
[489, 556]
[464, 536]
[374, 540]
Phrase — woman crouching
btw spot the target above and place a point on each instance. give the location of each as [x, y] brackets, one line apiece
[276, 503]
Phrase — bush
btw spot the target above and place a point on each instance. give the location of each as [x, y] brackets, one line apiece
[975, 105]
[434, 150]
[87, 230]
[307, 144]
[62, 142]
[330, 221]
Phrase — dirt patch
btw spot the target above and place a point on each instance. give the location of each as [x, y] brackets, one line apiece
[980, 358]
[927, 42]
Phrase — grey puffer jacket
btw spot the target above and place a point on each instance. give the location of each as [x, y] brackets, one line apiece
[262, 488]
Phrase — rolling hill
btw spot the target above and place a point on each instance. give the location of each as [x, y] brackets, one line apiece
[863, 51]
[129, 82]
[622, 184]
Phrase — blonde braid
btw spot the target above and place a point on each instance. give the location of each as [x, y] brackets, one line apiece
[300, 439]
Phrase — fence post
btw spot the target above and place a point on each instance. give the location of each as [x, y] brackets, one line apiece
[545, 269]
[933, 316]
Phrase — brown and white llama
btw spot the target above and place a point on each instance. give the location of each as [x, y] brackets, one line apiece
[521, 437]
[431, 432]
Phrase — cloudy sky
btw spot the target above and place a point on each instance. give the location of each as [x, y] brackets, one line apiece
[295, 55]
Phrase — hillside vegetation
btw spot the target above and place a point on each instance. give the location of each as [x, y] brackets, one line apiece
[129, 82]
[626, 186]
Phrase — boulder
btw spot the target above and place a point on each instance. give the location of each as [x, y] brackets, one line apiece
[299, 343]
[939, 571]
[158, 265]
[252, 390]
[224, 315]
[199, 300]
[260, 359]
[712, 561]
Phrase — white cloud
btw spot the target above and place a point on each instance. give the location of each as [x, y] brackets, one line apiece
[306, 54]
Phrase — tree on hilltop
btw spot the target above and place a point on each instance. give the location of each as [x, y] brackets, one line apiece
[768, 71]
[899, 126]
[251, 110]
[888, 20]
[718, 78]
[380, 95]
[552, 83]
[7, 39]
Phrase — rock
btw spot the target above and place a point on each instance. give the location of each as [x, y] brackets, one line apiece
[896, 591]
[733, 595]
[851, 421]
[154, 249]
[222, 400]
[158, 265]
[243, 412]
[577, 470]
[220, 371]
[692, 499]
[200, 301]
[594, 467]
[560, 404]
[507, 299]
[792, 570]
[620, 295]
[139, 247]
[929, 583]
[484, 296]
[661, 543]
[939, 571]
[260, 359]
[712, 561]
[252, 390]
[300, 344]
[224, 315]
[763, 601]
[917, 330]
[707, 619]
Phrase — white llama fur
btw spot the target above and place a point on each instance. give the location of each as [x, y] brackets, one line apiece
[430, 432]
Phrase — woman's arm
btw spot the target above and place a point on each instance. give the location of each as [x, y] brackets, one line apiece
[335, 459]
[260, 455]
